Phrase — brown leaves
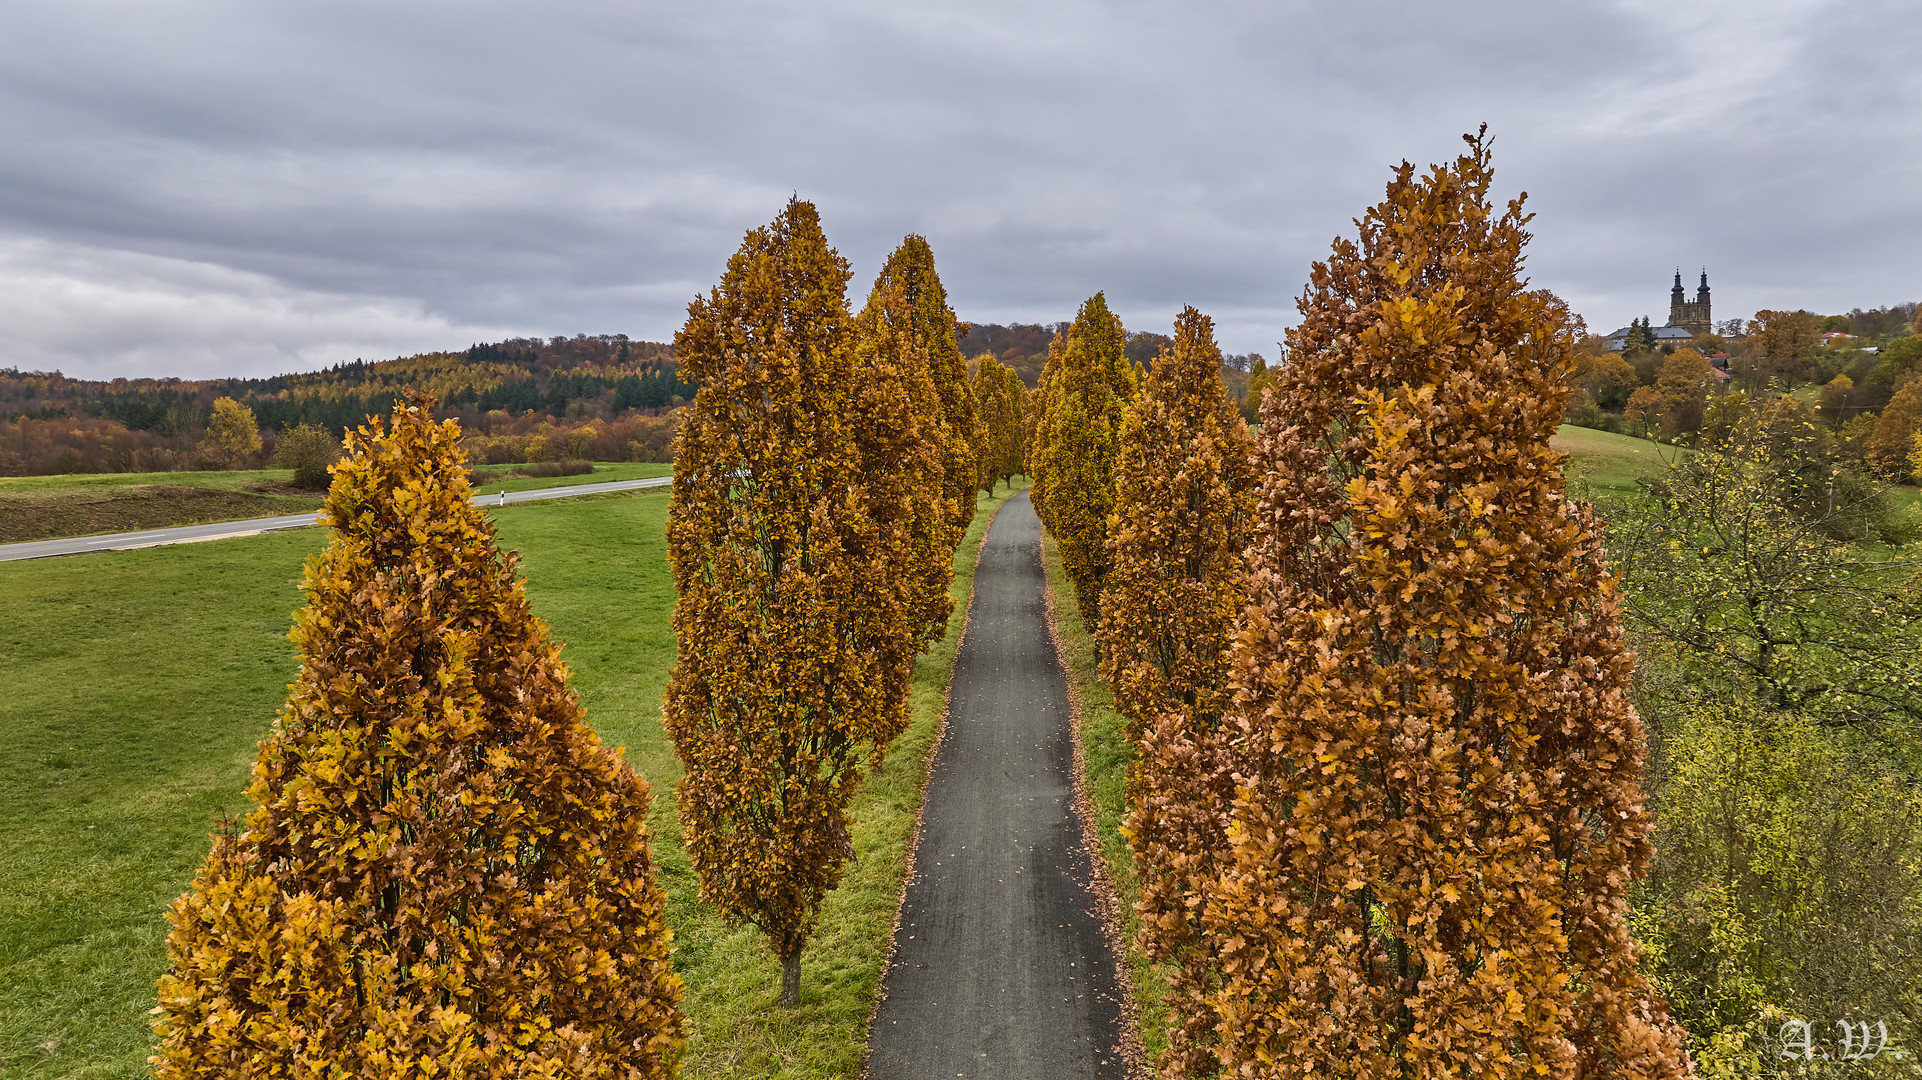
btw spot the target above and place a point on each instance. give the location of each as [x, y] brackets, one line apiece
[1437, 812]
[444, 869]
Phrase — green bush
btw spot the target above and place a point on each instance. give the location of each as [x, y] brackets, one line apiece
[308, 450]
[1787, 885]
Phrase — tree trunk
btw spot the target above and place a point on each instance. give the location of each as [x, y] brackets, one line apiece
[791, 980]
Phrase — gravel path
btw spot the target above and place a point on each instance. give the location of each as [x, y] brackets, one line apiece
[1000, 967]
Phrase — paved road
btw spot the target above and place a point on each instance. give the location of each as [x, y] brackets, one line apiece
[221, 530]
[1000, 968]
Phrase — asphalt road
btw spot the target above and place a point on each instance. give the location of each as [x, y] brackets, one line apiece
[221, 530]
[1000, 967]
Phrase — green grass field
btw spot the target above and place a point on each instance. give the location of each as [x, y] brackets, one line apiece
[1604, 465]
[140, 682]
[87, 504]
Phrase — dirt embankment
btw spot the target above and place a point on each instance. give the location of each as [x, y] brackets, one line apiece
[26, 517]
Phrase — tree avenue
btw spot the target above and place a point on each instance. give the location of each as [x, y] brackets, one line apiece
[1184, 481]
[1085, 388]
[1440, 814]
[793, 571]
[445, 873]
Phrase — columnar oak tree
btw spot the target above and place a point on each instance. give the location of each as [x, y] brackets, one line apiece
[1089, 383]
[998, 397]
[1184, 498]
[907, 560]
[776, 698]
[911, 266]
[445, 873]
[1439, 816]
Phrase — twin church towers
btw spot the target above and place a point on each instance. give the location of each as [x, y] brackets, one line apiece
[1690, 315]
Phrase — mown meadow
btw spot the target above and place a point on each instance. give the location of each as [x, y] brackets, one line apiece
[139, 684]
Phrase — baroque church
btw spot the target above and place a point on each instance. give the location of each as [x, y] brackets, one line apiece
[1686, 318]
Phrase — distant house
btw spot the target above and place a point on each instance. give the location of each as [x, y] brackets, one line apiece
[1686, 318]
[1836, 338]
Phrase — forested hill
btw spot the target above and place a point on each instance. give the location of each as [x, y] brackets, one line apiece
[561, 377]
[1024, 347]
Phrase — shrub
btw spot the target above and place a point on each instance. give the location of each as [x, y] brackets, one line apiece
[309, 451]
[1440, 811]
[445, 872]
[1788, 885]
[571, 467]
[1183, 502]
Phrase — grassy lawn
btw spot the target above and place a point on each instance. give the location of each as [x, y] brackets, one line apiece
[140, 682]
[1604, 465]
[86, 504]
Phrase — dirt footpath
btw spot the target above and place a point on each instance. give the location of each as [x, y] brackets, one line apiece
[1000, 968]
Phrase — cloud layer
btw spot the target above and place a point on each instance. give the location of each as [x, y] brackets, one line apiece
[199, 188]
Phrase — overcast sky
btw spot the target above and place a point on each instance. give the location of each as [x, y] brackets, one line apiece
[202, 189]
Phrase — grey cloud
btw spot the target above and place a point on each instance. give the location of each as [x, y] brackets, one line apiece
[466, 168]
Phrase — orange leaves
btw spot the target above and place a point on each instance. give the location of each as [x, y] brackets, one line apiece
[381, 911]
[1183, 482]
[811, 539]
[1438, 811]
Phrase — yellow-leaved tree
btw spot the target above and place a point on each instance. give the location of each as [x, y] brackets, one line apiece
[1088, 383]
[911, 266]
[444, 873]
[1184, 500]
[1440, 811]
[233, 436]
[908, 328]
[998, 395]
[776, 699]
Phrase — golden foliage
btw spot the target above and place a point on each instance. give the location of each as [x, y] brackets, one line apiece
[1440, 814]
[445, 873]
[1895, 432]
[911, 266]
[896, 421]
[788, 674]
[1184, 483]
[1086, 387]
[1000, 399]
[232, 435]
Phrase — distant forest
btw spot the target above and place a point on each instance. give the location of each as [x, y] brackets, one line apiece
[524, 399]
[53, 424]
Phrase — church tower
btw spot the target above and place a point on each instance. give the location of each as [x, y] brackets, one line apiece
[1686, 314]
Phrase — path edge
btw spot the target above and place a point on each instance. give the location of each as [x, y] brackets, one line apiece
[921, 807]
[1107, 900]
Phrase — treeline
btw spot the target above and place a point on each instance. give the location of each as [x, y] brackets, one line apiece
[52, 424]
[1861, 361]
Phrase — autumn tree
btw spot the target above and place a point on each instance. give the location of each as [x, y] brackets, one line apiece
[233, 438]
[1895, 431]
[998, 395]
[1779, 345]
[1088, 385]
[900, 433]
[911, 266]
[776, 699]
[1184, 483]
[444, 872]
[1439, 814]
[1260, 378]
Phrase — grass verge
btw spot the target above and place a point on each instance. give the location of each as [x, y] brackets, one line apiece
[140, 682]
[1105, 757]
